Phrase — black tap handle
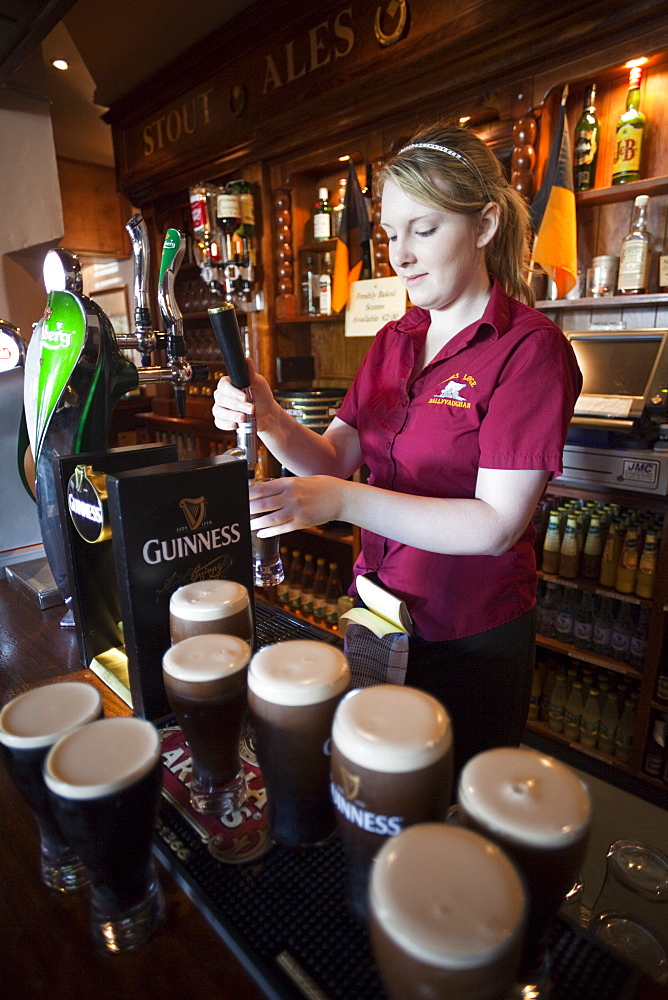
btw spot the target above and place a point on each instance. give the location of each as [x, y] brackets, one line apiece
[226, 328]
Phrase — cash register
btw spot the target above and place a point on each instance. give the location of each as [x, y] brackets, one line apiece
[619, 432]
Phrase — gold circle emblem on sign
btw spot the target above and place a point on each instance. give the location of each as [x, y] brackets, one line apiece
[396, 11]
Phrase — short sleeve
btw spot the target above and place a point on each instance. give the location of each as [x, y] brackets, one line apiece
[532, 405]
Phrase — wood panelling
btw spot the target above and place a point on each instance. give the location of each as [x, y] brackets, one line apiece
[94, 212]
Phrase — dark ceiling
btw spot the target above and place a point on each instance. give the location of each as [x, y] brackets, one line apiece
[112, 47]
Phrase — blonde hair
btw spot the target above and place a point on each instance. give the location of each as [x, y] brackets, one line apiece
[464, 175]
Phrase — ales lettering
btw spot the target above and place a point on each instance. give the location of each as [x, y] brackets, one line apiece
[314, 55]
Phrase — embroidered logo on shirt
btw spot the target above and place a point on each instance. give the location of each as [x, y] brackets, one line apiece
[450, 394]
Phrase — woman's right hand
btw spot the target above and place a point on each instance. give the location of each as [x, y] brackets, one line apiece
[230, 405]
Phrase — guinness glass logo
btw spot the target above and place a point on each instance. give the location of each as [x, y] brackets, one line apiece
[87, 501]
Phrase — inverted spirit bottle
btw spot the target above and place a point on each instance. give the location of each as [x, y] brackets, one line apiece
[629, 134]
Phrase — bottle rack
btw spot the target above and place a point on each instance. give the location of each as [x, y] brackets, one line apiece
[644, 679]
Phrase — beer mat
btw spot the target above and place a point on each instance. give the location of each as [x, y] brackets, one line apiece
[235, 839]
[285, 918]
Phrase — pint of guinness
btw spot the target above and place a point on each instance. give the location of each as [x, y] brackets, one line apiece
[205, 681]
[391, 767]
[29, 726]
[293, 690]
[539, 812]
[210, 606]
[104, 782]
[447, 910]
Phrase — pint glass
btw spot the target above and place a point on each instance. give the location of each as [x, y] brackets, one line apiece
[446, 913]
[205, 683]
[539, 812]
[29, 726]
[293, 690]
[105, 784]
[391, 767]
[209, 607]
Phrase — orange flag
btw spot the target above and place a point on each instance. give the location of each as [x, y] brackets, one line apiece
[553, 211]
[354, 232]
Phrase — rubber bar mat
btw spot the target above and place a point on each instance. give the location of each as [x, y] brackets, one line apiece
[286, 920]
[273, 624]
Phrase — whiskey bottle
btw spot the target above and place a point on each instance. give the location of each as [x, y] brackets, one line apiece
[322, 216]
[629, 134]
[636, 252]
[587, 133]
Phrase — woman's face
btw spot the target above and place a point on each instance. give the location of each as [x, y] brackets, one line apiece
[438, 255]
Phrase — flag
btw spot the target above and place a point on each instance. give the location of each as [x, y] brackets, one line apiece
[354, 232]
[553, 211]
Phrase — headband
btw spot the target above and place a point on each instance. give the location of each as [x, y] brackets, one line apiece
[441, 149]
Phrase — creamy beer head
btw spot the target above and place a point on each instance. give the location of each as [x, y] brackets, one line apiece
[209, 601]
[298, 672]
[526, 797]
[37, 718]
[210, 606]
[102, 758]
[448, 897]
[205, 659]
[391, 728]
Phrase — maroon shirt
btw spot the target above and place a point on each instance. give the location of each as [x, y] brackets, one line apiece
[499, 395]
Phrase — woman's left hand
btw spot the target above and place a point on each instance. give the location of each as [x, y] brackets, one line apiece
[293, 502]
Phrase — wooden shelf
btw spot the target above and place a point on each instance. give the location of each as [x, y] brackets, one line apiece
[587, 656]
[650, 186]
[335, 318]
[583, 583]
[604, 758]
[605, 302]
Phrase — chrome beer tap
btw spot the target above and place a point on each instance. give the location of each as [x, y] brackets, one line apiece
[178, 370]
[146, 339]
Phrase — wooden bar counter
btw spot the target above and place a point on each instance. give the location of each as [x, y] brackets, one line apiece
[47, 948]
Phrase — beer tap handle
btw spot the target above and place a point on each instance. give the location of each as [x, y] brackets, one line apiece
[226, 328]
[138, 233]
[172, 254]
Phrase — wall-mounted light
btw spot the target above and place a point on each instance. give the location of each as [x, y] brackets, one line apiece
[464, 119]
[60, 64]
[640, 61]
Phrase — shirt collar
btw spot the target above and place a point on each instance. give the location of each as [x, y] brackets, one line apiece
[496, 316]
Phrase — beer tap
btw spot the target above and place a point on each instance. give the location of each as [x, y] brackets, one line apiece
[226, 328]
[146, 339]
[178, 370]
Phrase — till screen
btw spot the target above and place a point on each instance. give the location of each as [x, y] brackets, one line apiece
[615, 366]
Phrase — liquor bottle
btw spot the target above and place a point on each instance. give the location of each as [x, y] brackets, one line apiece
[306, 586]
[607, 727]
[310, 286]
[228, 216]
[629, 134]
[593, 548]
[325, 285]
[587, 133]
[295, 580]
[246, 231]
[548, 688]
[602, 629]
[589, 720]
[569, 556]
[199, 210]
[332, 594]
[624, 733]
[552, 545]
[636, 252]
[319, 588]
[646, 574]
[663, 259]
[322, 216]
[574, 708]
[558, 700]
[627, 567]
[337, 209]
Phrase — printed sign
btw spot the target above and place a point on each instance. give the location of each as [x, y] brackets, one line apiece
[372, 304]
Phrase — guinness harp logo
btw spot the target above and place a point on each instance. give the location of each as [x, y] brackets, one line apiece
[193, 511]
[351, 784]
